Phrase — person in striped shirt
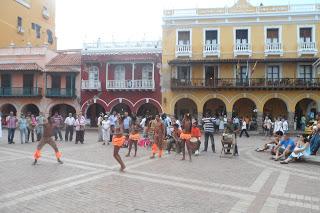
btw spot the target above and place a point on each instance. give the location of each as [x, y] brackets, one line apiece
[208, 126]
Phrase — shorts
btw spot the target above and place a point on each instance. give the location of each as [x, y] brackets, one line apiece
[185, 136]
[134, 137]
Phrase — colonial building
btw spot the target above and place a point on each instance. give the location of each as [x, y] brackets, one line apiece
[243, 60]
[121, 77]
[39, 80]
[27, 23]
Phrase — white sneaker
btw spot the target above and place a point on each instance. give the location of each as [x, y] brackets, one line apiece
[196, 153]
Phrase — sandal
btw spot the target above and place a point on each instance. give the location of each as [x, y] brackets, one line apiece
[283, 162]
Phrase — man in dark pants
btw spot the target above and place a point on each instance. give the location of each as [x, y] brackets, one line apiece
[69, 122]
[208, 126]
[11, 125]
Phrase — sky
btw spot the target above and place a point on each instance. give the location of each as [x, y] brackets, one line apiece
[79, 21]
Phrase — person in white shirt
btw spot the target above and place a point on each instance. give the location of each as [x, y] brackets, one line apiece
[80, 126]
[285, 126]
[106, 130]
[267, 124]
[99, 124]
[69, 122]
[244, 128]
[277, 126]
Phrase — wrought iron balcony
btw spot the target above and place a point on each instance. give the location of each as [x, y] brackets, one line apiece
[242, 49]
[307, 48]
[183, 50]
[274, 48]
[60, 93]
[211, 50]
[245, 84]
[91, 85]
[130, 85]
[20, 92]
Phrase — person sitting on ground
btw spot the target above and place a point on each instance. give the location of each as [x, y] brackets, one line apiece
[284, 148]
[174, 139]
[302, 149]
[272, 144]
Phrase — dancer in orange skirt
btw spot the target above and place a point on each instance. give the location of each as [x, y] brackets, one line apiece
[185, 136]
[46, 139]
[159, 135]
[133, 139]
[117, 141]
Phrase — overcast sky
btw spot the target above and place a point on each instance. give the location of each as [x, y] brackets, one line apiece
[122, 20]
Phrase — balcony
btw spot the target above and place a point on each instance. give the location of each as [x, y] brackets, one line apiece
[130, 85]
[307, 48]
[91, 85]
[183, 50]
[242, 49]
[60, 93]
[20, 92]
[211, 50]
[245, 84]
[274, 48]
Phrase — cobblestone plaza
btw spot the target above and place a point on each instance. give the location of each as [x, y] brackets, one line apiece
[89, 181]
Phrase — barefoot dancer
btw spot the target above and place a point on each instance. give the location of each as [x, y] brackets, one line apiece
[46, 139]
[117, 141]
[159, 134]
[133, 139]
[185, 136]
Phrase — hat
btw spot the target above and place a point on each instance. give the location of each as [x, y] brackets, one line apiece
[106, 116]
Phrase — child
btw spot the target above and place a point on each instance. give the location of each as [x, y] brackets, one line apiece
[134, 138]
[117, 141]
[196, 133]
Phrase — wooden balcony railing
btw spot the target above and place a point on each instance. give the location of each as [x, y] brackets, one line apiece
[60, 93]
[20, 92]
[251, 83]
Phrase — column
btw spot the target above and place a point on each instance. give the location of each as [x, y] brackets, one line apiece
[35, 91]
[107, 71]
[260, 122]
[229, 115]
[132, 77]
[46, 83]
[291, 121]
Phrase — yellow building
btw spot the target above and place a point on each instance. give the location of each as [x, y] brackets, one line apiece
[27, 23]
[244, 60]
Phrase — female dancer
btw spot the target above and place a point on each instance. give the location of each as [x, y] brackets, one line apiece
[185, 136]
[117, 141]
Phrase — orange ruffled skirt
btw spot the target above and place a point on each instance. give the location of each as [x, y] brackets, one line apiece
[134, 137]
[118, 141]
[185, 136]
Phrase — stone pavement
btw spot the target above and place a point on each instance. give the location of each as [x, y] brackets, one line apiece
[89, 181]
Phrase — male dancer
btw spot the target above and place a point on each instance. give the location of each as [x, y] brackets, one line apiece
[46, 139]
[185, 136]
[159, 134]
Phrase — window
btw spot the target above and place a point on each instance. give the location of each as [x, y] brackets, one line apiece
[305, 72]
[119, 73]
[305, 34]
[242, 36]
[56, 81]
[184, 73]
[50, 38]
[211, 73]
[273, 35]
[273, 73]
[184, 38]
[147, 72]
[93, 73]
[37, 28]
[242, 75]
[211, 37]
[19, 22]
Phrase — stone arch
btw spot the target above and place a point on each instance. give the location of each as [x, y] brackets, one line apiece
[32, 108]
[147, 109]
[185, 105]
[181, 96]
[215, 106]
[252, 97]
[93, 112]
[117, 101]
[121, 108]
[6, 108]
[144, 101]
[311, 96]
[275, 107]
[245, 107]
[87, 104]
[306, 107]
[283, 97]
[63, 109]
